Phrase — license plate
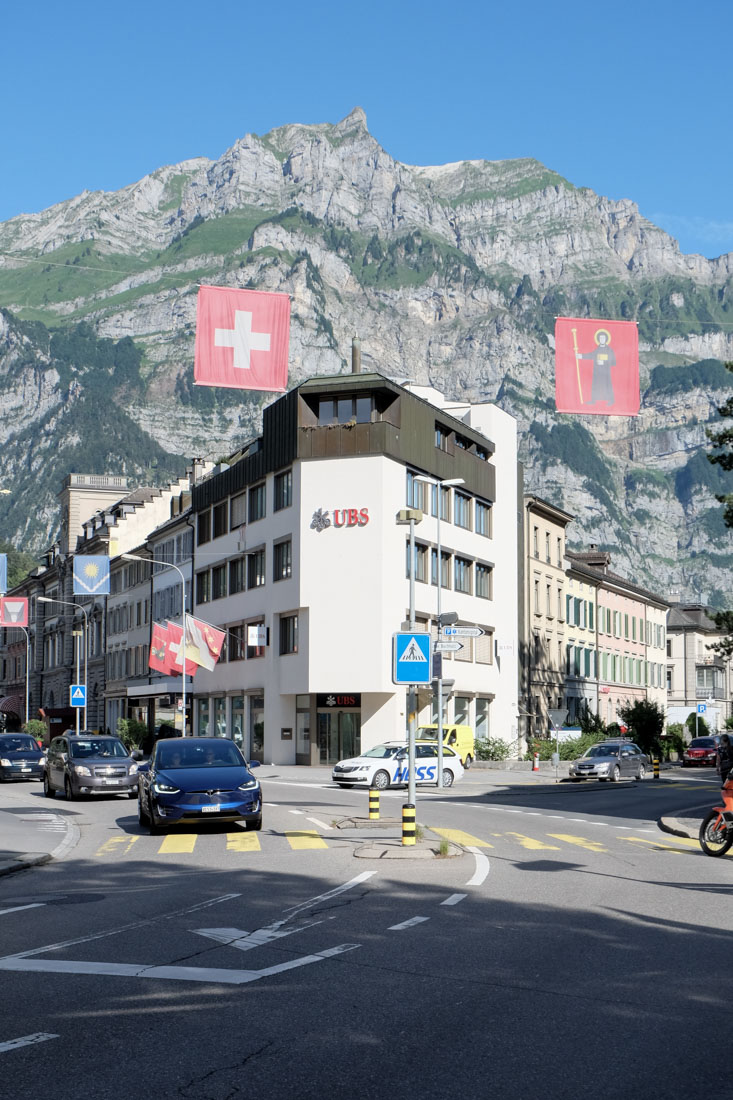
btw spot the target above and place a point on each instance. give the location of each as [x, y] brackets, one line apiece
[25, 769]
[111, 780]
[210, 809]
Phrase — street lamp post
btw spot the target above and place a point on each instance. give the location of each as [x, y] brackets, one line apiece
[85, 636]
[440, 484]
[170, 565]
[411, 516]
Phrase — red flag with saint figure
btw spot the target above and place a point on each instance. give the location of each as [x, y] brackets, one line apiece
[242, 339]
[596, 366]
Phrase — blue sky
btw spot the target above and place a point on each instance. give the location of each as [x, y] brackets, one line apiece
[630, 99]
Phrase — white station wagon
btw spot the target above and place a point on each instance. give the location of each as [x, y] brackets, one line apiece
[386, 766]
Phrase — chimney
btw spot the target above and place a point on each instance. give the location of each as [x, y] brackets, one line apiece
[356, 355]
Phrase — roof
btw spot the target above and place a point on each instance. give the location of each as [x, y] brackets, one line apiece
[580, 562]
[692, 616]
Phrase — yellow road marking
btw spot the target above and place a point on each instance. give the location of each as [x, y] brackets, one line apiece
[457, 836]
[581, 841]
[115, 844]
[243, 842]
[177, 843]
[655, 845]
[530, 842]
[305, 839]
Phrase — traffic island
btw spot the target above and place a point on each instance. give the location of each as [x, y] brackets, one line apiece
[388, 844]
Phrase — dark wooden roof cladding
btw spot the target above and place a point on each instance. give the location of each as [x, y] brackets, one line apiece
[405, 431]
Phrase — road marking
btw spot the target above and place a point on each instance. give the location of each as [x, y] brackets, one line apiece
[177, 843]
[457, 836]
[26, 1041]
[247, 941]
[114, 844]
[534, 845]
[300, 813]
[482, 868]
[243, 842]
[454, 899]
[407, 924]
[581, 841]
[305, 838]
[319, 823]
[17, 908]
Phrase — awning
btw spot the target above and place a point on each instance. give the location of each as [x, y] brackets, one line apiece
[11, 704]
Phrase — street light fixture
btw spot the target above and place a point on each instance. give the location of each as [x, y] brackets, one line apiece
[72, 603]
[447, 482]
[170, 565]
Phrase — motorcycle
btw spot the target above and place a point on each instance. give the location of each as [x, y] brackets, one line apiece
[716, 831]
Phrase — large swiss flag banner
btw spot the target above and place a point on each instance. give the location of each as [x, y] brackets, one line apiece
[596, 366]
[242, 339]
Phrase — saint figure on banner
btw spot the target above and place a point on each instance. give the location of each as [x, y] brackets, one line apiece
[604, 357]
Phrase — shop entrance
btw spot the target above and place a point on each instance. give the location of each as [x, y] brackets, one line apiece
[339, 735]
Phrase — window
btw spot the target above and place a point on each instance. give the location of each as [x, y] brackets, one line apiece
[482, 718]
[536, 596]
[256, 502]
[254, 650]
[536, 541]
[237, 576]
[483, 518]
[415, 490]
[559, 603]
[256, 569]
[462, 506]
[462, 574]
[441, 437]
[445, 568]
[283, 490]
[288, 634]
[461, 443]
[483, 580]
[559, 552]
[238, 509]
[548, 601]
[345, 410]
[547, 546]
[203, 587]
[220, 519]
[219, 582]
[236, 642]
[421, 562]
[282, 560]
[203, 527]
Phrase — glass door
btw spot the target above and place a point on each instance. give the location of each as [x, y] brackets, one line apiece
[339, 735]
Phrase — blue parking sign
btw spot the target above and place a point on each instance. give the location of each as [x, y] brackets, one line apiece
[701, 708]
[411, 652]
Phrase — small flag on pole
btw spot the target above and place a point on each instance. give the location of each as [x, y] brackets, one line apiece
[91, 575]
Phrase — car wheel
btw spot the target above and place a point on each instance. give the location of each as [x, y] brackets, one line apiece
[615, 774]
[684, 763]
[255, 825]
[68, 791]
[47, 788]
[344, 786]
[142, 817]
[468, 762]
[132, 793]
[573, 779]
[642, 771]
[447, 778]
[381, 781]
[153, 827]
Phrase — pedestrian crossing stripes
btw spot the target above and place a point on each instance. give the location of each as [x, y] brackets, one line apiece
[240, 842]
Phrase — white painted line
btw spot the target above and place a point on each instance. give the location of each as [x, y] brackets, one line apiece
[247, 941]
[454, 899]
[69, 842]
[320, 824]
[330, 893]
[17, 908]
[298, 812]
[26, 1041]
[482, 867]
[407, 923]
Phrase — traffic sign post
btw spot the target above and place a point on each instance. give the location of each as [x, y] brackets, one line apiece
[411, 652]
[77, 695]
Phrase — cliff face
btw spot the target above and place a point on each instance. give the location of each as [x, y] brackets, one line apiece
[451, 275]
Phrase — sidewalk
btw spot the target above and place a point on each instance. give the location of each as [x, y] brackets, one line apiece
[30, 836]
[681, 826]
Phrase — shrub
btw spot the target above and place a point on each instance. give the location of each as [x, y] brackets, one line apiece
[568, 750]
[131, 732]
[36, 728]
[492, 748]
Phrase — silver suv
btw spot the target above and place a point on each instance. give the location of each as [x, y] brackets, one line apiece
[610, 760]
[90, 764]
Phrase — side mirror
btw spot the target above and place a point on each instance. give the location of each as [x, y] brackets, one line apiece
[136, 754]
[253, 764]
[143, 767]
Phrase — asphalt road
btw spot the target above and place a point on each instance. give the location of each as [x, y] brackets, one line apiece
[573, 949]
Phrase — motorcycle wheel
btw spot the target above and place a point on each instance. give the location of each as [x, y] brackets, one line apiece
[715, 841]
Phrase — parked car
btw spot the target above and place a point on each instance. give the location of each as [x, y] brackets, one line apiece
[197, 779]
[460, 738]
[386, 766]
[20, 757]
[90, 764]
[610, 760]
[701, 752]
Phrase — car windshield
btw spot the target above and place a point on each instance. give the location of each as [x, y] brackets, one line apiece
[602, 750]
[384, 752]
[702, 743]
[97, 747]
[17, 744]
[173, 754]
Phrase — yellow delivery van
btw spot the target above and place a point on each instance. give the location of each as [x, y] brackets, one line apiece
[459, 738]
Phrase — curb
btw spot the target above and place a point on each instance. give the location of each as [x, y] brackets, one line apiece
[22, 863]
[677, 828]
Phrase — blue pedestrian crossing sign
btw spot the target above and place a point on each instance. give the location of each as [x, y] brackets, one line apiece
[77, 695]
[411, 654]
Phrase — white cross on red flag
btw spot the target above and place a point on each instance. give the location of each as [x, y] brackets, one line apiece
[242, 339]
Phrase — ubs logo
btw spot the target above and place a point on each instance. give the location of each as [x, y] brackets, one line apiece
[342, 517]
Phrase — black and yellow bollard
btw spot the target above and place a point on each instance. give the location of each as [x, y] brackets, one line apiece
[408, 824]
[373, 805]
[655, 762]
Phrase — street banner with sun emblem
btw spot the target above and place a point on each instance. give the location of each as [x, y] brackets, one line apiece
[596, 366]
[91, 575]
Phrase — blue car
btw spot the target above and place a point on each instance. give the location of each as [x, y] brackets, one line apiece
[195, 779]
[20, 757]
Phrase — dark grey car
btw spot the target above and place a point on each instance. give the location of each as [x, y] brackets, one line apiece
[90, 764]
[610, 760]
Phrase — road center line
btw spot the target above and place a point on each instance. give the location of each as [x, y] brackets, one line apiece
[295, 909]
[320, 824]
[407, 924]
[17, 908]
[454, 899]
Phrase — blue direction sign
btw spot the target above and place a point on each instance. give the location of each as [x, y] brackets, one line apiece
[77, 695]
[411, 653]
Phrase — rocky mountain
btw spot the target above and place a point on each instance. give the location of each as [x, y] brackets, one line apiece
[451, 275]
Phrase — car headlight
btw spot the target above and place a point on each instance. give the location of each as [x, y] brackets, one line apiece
[133, 769]
[5, 763]
[81, 769]
[363, 768]
[603, 767]
[248, 785]
[165, 788]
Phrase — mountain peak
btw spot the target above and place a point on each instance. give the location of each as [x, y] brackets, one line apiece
[355, 120]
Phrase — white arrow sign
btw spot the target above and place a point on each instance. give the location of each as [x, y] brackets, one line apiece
[447, 647]
[463, 631]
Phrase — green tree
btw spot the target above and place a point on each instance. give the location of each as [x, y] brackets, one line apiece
[19, 563]
[645, 721]
[722, 455]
